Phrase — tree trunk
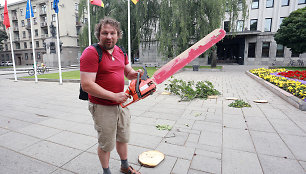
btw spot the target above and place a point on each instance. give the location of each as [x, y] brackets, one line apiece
[214, 58]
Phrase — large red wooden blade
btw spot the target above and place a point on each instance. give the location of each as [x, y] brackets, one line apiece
[187, 56]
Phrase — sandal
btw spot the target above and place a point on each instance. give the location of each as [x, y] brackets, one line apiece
[129, 170]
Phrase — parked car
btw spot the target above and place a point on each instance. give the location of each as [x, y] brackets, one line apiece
[2, 64]
[136, 59]
[8, 63]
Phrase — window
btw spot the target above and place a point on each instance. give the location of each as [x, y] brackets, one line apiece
[239, 5]
[31, 56]
[269, 3]
[29, 33]
[17, 45]
[251, 50]
[36, 32]
[34, 9]
[37, 44]
[30, 44]
[76, 6]
[227, 26]
[35, 21]
[281, 21]
[268, 23]
[255, 4]
[22, 23]
[53, 18]
[265, 49]
[6, 46]
[25, 45]
[293, 54]
[285, 2]
[253, 25]
[280, 50]
[23, 34]
[51, 5]
[21, 12]
[26, 56]
[302, 2]
[240, 25]
[43, 9]
[38, 55]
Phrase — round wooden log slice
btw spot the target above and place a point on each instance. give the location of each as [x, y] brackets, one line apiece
[151, 158]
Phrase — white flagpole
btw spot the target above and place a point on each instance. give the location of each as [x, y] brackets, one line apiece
[13, 56]
[58, 52]
[88, 21]
[32, 34]
[129, 31]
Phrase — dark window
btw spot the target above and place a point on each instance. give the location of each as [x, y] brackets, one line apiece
[25, 45]
[227, 26]
[302, 2]
[265, 49]
[26, 56]
[280, 50]
[285, 2]
[251, 50]
[37, 44]
[268, 24]
[253, 25]
[295, 54]
[281, 21]
[269, 3]
[255, 4]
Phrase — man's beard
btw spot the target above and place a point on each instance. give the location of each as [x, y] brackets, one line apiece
[108, 48]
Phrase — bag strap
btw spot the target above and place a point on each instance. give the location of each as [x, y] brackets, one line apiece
[99, 50]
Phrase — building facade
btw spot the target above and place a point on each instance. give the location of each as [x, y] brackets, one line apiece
[254, 42]
[44, 27]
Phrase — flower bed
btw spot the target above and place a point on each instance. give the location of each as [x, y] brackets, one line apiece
[297, 87]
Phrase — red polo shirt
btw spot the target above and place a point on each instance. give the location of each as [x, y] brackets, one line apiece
[110, 71]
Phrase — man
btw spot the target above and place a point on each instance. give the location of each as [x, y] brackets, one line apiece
[104, 82]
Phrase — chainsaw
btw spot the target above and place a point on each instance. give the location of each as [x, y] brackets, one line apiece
[144, 86]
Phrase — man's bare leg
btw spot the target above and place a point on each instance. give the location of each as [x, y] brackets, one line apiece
[122, 149]
[104, 157]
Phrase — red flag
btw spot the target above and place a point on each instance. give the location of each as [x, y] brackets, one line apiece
[97, 2]
[135, 1]
[6, 20]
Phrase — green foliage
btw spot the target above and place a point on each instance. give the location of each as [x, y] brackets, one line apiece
[3, 36]
[180, 23]
[183, 22]
[143, 20]
[163, 127]
[189, 90]
[292, 32]
[239, 104]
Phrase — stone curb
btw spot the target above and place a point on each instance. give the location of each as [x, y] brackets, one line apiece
[293, 100]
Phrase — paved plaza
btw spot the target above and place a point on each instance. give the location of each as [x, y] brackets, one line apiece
[45, 128]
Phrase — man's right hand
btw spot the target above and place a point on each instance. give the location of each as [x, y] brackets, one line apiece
[121, 97]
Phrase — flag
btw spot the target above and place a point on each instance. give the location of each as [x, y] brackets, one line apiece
[6, 20]
[55, 5]
[97, 2]
[135, 1]
[28, 10]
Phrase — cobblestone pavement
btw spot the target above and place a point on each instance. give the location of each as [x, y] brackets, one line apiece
[44, 128]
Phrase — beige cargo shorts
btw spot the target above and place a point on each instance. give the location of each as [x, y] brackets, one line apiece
[112, 124]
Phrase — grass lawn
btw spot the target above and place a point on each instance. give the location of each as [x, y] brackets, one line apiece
[76, 74]
[295, 68]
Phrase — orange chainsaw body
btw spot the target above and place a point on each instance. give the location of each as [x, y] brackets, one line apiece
[140, 89]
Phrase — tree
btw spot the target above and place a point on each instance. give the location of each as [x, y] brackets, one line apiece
[3, 36]
[143, 17]
[292, 32]
[183, 22]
